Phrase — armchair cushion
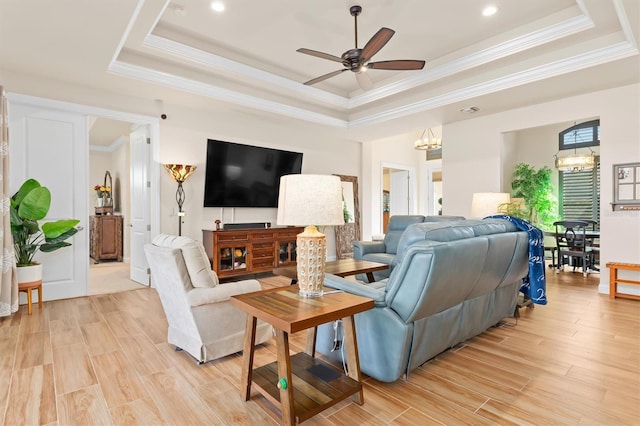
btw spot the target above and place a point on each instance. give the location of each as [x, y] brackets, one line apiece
[221, 293]
[195, 259]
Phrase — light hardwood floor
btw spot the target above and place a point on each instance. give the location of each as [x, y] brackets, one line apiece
[104, 359]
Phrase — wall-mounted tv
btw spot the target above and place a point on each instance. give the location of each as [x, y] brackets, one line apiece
[244, 175]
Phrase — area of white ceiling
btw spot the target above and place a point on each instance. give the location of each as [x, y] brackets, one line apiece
[246, 57]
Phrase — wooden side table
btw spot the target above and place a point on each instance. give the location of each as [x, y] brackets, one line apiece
[289, 313]
[27, 288]
[341, 268]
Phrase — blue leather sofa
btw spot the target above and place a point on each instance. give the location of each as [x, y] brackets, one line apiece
[385, 251]
[452, 281]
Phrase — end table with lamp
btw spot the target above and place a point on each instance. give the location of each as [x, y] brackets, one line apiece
[301, 385]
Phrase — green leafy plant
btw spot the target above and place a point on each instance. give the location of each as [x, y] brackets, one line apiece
[29, 205]
[534, 186]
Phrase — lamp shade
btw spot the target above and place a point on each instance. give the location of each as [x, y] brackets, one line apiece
[488, 203]
[179, 172]
[576, 162]
[310, 200]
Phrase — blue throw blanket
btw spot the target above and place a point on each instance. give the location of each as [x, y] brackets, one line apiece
[534, 285]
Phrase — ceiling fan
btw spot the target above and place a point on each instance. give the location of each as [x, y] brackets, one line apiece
[357, 60]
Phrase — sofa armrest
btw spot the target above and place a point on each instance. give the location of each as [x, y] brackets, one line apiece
[356, 287]
[360, 248]
[221, 292]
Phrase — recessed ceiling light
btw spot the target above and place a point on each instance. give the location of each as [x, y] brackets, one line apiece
[217, 6]
[489, 10]
[469, 110]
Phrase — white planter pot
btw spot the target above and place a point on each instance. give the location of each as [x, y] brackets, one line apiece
[29, 274]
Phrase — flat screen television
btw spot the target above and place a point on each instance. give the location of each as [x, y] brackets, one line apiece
[244, 175]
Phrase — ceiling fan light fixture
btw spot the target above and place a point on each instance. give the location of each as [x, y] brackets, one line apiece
[357, 59]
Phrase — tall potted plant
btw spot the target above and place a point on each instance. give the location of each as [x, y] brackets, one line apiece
[534, 186]
[29, 205]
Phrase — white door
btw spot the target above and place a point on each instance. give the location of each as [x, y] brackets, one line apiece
[51, 146]
[140, 225]
[399, 199]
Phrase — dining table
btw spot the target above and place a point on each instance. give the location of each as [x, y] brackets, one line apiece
[588, 234]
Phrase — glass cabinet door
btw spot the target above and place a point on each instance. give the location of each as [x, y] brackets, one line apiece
[286, 252]
[233, 258]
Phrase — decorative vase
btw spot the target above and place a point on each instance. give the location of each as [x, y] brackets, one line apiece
[100, 202]
[29, 274]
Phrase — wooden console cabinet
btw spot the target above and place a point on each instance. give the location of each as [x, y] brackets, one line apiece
[105, 235]
[249, 251]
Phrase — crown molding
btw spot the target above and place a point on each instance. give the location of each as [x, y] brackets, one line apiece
[596, 57]
[222, 94]
[624, 22]
[217, 62]
[516, 45]
[485, 56]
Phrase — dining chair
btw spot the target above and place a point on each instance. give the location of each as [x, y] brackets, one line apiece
[572, 245]
[595, 247]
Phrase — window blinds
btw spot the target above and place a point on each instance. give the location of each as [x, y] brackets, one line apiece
[580, 194]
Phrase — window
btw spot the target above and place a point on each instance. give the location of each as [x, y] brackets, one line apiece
[580, 194]
[580, 135]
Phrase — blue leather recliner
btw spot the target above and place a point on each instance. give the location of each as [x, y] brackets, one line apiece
[385, 251]
[452, 281]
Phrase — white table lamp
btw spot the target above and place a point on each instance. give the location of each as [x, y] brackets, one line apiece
[305, 200]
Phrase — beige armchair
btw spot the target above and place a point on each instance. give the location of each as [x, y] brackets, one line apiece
[200, 316]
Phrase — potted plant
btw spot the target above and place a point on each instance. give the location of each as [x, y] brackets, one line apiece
[29, 205]
[534, 186]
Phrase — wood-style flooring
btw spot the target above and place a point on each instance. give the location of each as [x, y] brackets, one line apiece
[104, 359]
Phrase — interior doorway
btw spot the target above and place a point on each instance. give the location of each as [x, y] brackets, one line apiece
[110, 244]
[397, 192]
[434, 191]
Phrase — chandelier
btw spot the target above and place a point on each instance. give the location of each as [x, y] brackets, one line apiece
[429, 142]
[576, 162]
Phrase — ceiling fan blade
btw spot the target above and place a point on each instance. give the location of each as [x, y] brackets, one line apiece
[376, 43]
[405, 64]
[364, 80]
[320, 54]
[324, 77]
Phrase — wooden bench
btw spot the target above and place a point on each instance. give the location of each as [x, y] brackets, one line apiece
[614, 280]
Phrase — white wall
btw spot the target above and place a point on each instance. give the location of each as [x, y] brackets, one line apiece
[183, 136]
[475, 146]
[184, 141]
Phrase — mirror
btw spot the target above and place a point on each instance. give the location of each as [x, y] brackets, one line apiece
[626, 186]
[350, 231]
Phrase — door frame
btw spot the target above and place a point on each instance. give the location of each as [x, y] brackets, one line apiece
[412, 187]
[154, 134]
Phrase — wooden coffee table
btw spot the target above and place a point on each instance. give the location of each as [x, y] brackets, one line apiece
[341, 268]
[319, 385]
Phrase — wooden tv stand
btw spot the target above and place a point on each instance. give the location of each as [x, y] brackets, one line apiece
[249, 251]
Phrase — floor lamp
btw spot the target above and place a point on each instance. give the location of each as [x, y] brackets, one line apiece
[305, 200]
[180, 173]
